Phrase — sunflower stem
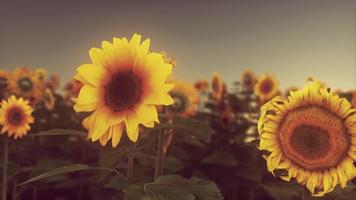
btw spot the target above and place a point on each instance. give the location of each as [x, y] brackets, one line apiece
[159, 158]
[5, 165]
[131, 163]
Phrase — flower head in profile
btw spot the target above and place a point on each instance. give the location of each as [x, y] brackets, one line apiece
[217, 87]
[28, 85]
[7, 84]
[311, 136]
[122, 87]
[185, 98]
[248, 80]
[15, 117]
[266, 88]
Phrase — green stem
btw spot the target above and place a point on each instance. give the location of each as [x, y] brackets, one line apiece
[4, 176]
[131, 163]
[159, 158]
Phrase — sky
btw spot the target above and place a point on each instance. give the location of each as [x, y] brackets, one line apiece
[292, 39]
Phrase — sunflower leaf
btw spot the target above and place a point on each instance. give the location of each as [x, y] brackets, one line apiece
[65, 170]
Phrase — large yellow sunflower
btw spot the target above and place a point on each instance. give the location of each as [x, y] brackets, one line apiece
[7, 84]
[312, 136]
[266, 88]
[28, 85]
[185, 99]
[15, 117]
[122, 86]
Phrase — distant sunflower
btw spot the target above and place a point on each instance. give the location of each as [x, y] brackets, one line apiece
[185, 98]
[7, 84]
[28, 85]
[311, 135]
[249, 80]
[201, 85]
[49, 100]
[54, 82]
[217, 87]
[72, 88]
[122, 86]
[41, 74]
[266, 88]
[15, 117]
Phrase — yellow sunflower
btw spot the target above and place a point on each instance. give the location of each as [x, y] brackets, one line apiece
[28, 85]
[310, 136]
[7, 84]
[248, 79]
[266, 88]
[122, 86]
[41, 74]
[185, 98]
[217, 87]
[15, 117]
[48, 99]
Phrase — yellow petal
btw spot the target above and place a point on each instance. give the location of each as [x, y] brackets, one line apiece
[131, 123]
[116, 134]
[93, 74]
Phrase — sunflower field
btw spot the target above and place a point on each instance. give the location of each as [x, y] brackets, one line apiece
[126, 128]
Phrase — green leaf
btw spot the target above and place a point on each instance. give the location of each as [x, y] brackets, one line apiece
[221, 158]
[175, 187]
[194, 128]
[59, 132]
[65, 170]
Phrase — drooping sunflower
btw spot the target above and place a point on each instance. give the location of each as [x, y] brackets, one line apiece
[7, 84]
[28, 85]
[310, 136]
[266, 88]
[49, 100]
[15, 117]
[248, 80]
[122, 86]
[185, 98]
[217, 87]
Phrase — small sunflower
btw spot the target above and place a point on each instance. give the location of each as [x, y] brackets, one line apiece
[28, 85]
[201, 85]
[7, 84]
[122, 86]
[266, 88]
[217, 87]
[15, 117]
[185, 98]
[310, 136]
[48, 99]
[41, 74]
[249, 80]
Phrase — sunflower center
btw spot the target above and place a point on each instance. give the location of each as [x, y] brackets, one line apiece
[313, 138]
[123, 91]
[25, 84]
[15, 116]
[266, 86]
[3, 83]
[180, 102]
[310, 141]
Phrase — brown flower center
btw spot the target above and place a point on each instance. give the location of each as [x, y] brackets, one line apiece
[15, 116]
[3, 83]
[313, 138]
[266, 86]
[123, 91]
[25, 84]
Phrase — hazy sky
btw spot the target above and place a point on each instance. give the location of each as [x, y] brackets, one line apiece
[292, 39]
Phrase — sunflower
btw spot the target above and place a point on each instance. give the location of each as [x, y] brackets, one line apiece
[201, 85]
[354, 99]
[249, 80]
[266, 88]
[15, 117]
[48, 99]
[7, 84]
[28, 85]
[54, 82]
[122, 86]
[185, 99]
[217, 87]
[310, 136]
[41, 74]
